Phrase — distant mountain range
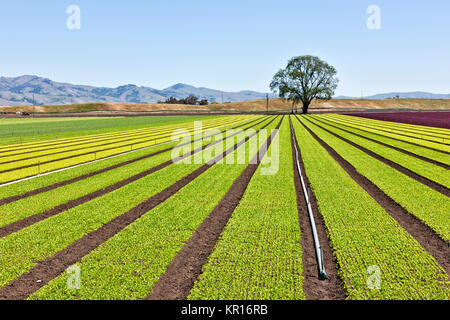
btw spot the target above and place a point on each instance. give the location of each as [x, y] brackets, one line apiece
[402, 95]
[29, 90]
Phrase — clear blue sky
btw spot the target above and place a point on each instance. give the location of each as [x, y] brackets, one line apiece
[229, 45]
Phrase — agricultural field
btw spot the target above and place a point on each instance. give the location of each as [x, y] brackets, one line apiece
[440, 119]
[236, 207]
[22, 130]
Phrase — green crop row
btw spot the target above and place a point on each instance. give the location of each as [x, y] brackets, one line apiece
[423, 168]
[421, 151]
[430, 144]
[428, 205]
[151, 242]
[258, 255]
[377, 258]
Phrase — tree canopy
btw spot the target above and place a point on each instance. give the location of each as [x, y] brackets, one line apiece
[191, 100]
[304, 79]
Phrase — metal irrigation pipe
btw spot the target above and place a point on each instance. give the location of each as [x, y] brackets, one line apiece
[322, 274]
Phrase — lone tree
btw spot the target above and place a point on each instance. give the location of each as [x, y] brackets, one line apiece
[305, 78]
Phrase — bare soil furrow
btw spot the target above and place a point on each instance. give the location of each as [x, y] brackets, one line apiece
[314, 289]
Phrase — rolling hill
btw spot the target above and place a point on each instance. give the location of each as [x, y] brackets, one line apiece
[28, 90]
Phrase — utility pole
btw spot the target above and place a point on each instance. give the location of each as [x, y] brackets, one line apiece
[222, 97]
[34, 103]
[267, 102]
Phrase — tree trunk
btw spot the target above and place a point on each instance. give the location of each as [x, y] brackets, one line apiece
[305, 107]
[293, 107]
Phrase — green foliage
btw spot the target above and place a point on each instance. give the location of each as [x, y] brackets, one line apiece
[49, 236]
[305, 78]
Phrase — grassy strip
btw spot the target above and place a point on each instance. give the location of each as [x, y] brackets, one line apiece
[425, 169]
[258, 255]
[430, 206]
[110, 272]
[49, 236]
[421, 151]
[30, 130]
[362, 235]
[418, 141]
[39, 203]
